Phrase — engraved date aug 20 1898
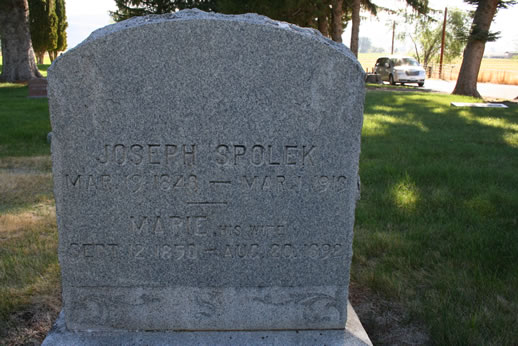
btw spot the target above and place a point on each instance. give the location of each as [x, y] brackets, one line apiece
[252, 251]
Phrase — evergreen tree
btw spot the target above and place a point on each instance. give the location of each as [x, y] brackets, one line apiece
[62, 25]
[52, 29]
[328, 16]
[44, 27]
[134, 8]
[307, 13]
[38, 20]
[300, 12]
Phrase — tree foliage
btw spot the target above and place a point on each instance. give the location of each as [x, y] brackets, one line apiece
[427, 35]
[52, 29]
[300, 12]
[62, 26]
[457, 26]
[308, 13]
[38, 23]
[327, 16]
[478, 31]
[43, 26]
[134, 8]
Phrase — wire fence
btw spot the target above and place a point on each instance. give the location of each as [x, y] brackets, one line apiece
[498, 71]
[451, 72]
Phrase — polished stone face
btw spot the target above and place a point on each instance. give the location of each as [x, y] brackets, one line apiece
[206, 173]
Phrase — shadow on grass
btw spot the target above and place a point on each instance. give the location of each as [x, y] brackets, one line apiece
[436, 227]
[30, 289]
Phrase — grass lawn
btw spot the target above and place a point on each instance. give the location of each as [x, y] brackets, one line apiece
[24, 121]
[436, 227]
[29, 272]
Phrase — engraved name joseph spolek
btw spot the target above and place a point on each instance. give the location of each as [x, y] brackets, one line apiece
[174, 169]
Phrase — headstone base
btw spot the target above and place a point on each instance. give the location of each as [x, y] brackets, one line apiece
[373, 78]
[354, 334]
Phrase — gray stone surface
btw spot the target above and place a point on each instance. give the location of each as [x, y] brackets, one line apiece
[205, 174]
[352, 335]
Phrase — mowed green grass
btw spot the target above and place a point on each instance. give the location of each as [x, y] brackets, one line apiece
[437, 224]
[436, 227]
[24, 122]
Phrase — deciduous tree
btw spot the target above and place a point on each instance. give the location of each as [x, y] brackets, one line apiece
[18, 56]
[427, 33]
[420, 6]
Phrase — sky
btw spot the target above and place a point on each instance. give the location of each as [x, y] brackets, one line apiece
[86, 16]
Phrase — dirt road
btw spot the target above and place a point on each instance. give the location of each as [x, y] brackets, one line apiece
[489, 90]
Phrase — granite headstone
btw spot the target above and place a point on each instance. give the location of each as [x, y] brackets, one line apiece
[38, 87]
[205, 174]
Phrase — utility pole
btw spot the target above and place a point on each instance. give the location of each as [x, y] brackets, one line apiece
[393, 34]
[442, 41]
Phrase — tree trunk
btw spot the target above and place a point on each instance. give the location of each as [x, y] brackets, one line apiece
[323, 25]
[355, 30]
[416, 49]
[468, 75]
[430, 51]
[40, 56]
[52, 56]
[18, 56]
[337, 28]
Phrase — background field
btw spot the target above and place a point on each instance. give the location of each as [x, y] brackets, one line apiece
[500, 71]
